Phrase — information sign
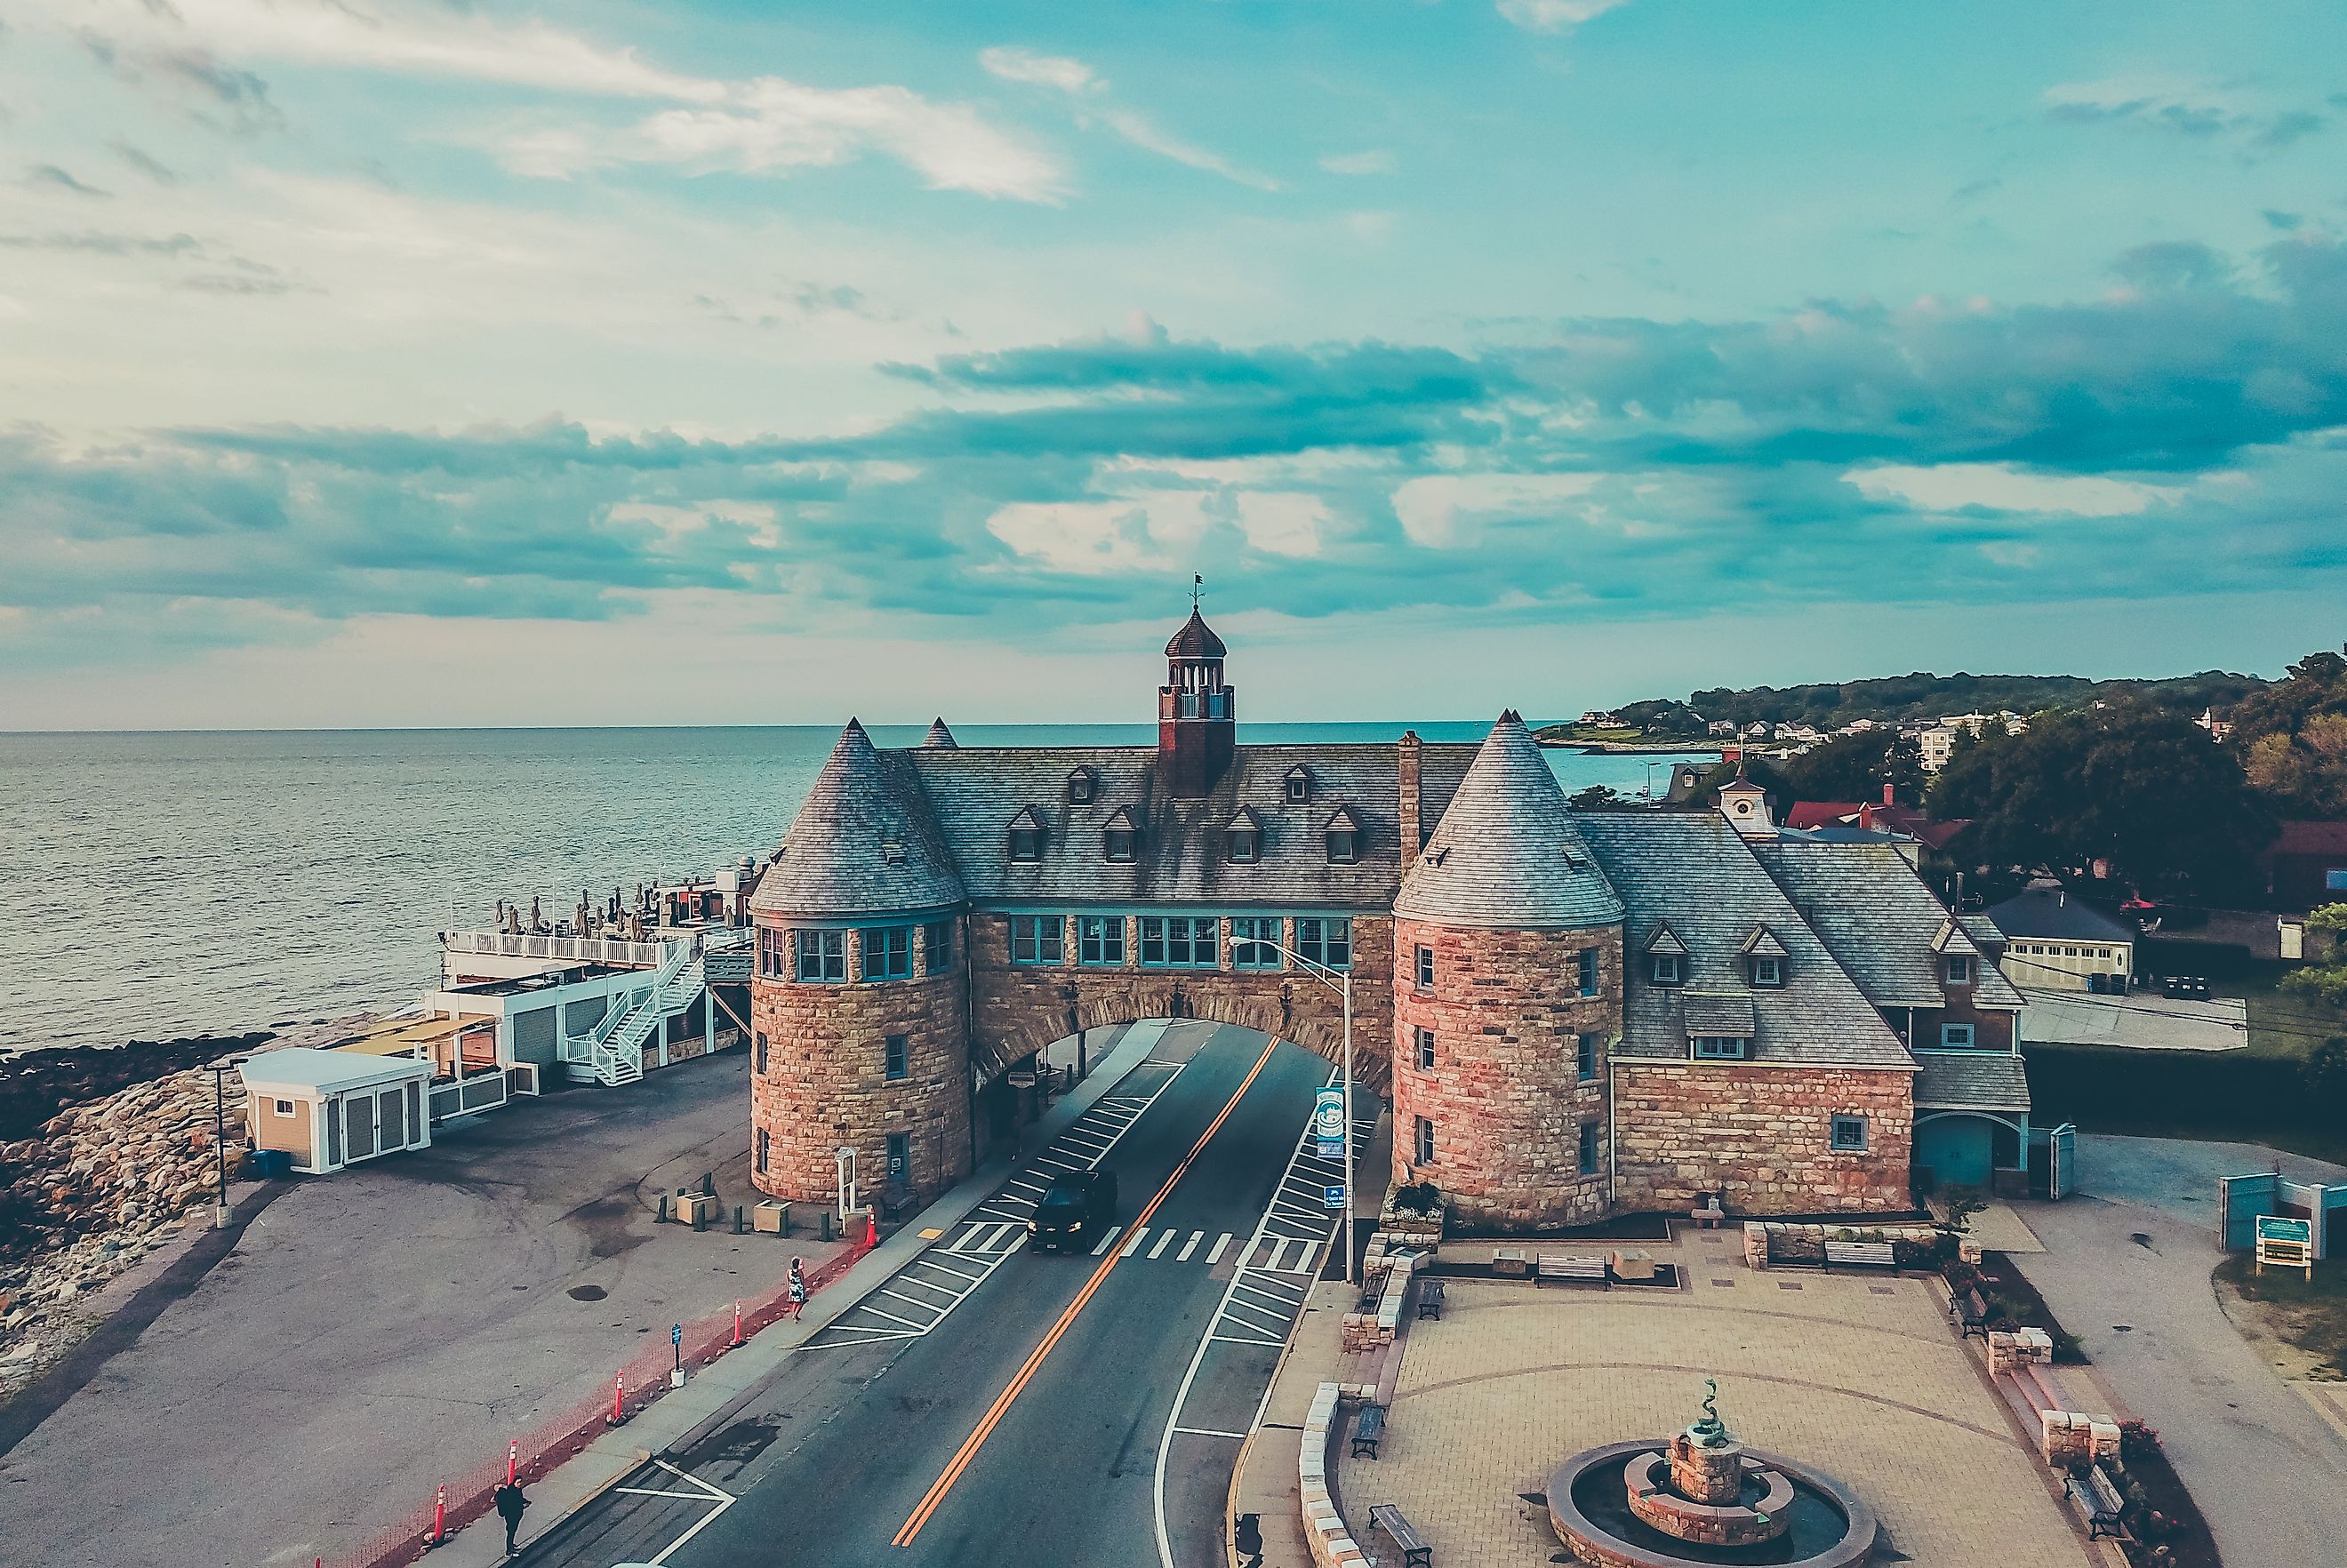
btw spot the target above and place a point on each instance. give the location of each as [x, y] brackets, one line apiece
[2286, 1243]
[1333, 1194]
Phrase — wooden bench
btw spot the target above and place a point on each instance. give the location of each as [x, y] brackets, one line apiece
[1429, 1298]
[1707, 1217]
[1574, 1268]
[2097, 1502]
[1510, 1263]
[1415, 1551]
[1369, 1431]
[1969, 1310]
[1861, 1255]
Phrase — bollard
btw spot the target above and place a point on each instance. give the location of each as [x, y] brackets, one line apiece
[740, 1220]
[699, 1217]
[662, 1218]
[826, 1225]
[737, 1323]
[708, 1185]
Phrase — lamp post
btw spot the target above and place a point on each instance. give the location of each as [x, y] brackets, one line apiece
[1341, 982]
[220, 1071]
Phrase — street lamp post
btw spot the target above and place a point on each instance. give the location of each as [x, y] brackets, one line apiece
[220, 1071]
[1341, 982]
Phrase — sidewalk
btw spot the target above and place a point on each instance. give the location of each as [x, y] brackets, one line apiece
[713, 1395]
[1266, 1485]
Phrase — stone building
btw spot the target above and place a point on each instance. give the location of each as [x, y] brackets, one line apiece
[1574, 1014]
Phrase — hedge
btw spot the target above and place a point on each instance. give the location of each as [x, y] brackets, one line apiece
[2093, 1084]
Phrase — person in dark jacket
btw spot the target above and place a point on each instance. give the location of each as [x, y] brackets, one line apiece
[510, 1503]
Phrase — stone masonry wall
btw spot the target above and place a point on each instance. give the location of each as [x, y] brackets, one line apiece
[1022, 1008]
[1504, 1095]
[1761, 1135]
[826, 1081]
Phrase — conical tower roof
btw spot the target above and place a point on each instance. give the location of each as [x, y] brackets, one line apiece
[1196, 639]
[863, 843]
[1506, 853]
[939, 738]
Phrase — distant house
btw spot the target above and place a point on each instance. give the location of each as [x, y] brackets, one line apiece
[1809, 814]
[2218, 727]
[2306, 865]
[1720, 727]
[2055, 941]
[1885, 815]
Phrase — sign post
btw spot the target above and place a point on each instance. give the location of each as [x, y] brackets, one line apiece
[676, 1341]
[2286, 1243]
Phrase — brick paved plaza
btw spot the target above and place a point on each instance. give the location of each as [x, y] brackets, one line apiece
[1859, 1377]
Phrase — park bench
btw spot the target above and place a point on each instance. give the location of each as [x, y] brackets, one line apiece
[1415, 1551]
[1429, 1298]
[2097, 1502]
[1510, 1263]
[1574, 1268]
[1861, 1255]
[1969, 1310]
[1369, 1431]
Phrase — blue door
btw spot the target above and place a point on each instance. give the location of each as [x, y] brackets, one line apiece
[1957, 1150]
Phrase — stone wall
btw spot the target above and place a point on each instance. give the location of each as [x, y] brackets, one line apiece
[1504, 1096]
[826, 1081]
[1761, 1135]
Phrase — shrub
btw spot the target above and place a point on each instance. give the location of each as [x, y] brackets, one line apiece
[2137, 1440]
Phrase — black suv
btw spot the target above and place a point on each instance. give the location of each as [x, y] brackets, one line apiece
[1079, 1206]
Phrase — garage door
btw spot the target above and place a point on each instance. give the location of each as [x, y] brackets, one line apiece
[1956, 1150]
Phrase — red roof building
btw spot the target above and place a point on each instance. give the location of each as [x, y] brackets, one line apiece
[2306, 865]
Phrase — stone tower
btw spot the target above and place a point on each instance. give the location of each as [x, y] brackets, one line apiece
[1196, 726]
[859, 995]
[1507, 999]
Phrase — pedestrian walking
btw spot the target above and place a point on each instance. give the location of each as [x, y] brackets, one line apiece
[798, 1289]
[510, 1503]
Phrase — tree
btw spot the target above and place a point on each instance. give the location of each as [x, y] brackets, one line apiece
[1660, 716]
[2144, 790]
[1601, 797]
[2292, 738]
[2324, 1071]
[1857, 766]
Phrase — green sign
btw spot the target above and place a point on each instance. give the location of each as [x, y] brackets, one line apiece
[2277, 1228]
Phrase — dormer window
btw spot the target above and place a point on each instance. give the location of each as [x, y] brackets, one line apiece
[1669, 970]
[1242, 838]
[1767, 973]
[1299, 785]
[1720, 1048]
[1083, 785]
[1667, 956]
[1960, 968]
[1027, 836]
[1118, 835]
[1344, 835]
[1764, 959]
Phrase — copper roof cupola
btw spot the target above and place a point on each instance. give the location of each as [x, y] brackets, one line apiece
[1196, 726]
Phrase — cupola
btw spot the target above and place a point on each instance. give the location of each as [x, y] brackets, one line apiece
[1196, 727]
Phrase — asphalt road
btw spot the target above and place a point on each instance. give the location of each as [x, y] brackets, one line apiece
[1019, 1418]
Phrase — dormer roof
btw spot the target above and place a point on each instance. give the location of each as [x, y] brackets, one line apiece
[1120, 821]
[1244, 820]
[1029, 820]
[1343, 821]
[1954, 939]
[1763, 944]
[1721, 1015]
[1662, 939]
[864, 842]
[939, 738]
[1506, 853]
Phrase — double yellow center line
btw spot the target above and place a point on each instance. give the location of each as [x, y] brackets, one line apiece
[1003, 1402]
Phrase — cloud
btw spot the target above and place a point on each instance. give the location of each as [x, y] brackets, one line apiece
[2178, 109]
[50, 174]
[2003, 487]
[1374, 161]
[95, 243]
[1554, 15]
[1089, 91]
[1431, 508]
[150, 167]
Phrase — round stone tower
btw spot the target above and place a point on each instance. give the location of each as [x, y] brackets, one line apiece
[859, 995]
[1507, 1001]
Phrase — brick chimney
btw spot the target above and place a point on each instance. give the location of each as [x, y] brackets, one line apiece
[1406, 769]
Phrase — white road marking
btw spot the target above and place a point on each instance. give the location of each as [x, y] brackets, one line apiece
[912, 1301]
[1220, 1247]
[969, 1237]
[1163, 1238]
[1109, 1240]
[722, 1499]
[1132, 1243]
[1190, 1246]
[655, 1491]
[880, 1312]
[1242, 1339]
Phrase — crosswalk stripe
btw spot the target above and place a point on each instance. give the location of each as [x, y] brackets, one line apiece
[1190, 1246]
[1222, 1244]
[1133, 1241]
[968, 1237]
[1163, 1238]
[1002, 1233]
[1109, 1240]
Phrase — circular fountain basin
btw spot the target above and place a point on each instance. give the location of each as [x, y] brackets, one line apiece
[1825, 1526]
[1762, 1510]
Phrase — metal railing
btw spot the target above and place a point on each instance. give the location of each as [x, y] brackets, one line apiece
[574, 950]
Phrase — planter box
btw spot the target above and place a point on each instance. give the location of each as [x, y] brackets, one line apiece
[771, 1218]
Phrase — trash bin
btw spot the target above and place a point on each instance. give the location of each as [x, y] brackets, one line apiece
[270, 1165]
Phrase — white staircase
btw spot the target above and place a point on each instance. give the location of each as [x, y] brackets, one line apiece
[614, 1052]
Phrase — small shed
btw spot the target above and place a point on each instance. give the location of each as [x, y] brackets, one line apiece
[2055, 941]
[329, 1109]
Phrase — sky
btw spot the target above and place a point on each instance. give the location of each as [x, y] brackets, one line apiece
[471, 362]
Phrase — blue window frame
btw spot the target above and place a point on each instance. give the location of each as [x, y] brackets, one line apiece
[1721, 1047]
[1037, 938]
[1099, 941]
[1589, 971]
[1424, 971]
[1325, 941]
[896, 1059]
[1848, 1135]
[1181, 942]
[888, 953]
[937, 947]
[1588, 1148]
[1254, 940]
[2335, 879]
[1584, 1057]
[822, 955]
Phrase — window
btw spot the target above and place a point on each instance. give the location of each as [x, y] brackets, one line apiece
[1667, 971]
[1179, 942]
[1036, 938]
[900, 1157]
[1960, 967]
[1768, 974]
[770, 948]
[823, 955]
[1025, 843]
[1099, 941]
[1299, 785]
[1425, 1038]
[1243, 845]
[1343, 846]
[285, 1107]
[1957, 1036]
[762, 1145]
[937, 947]
[2335, 879]
[1721, 1047]
[897, 1059]
[1254, 942]
[1081, 784]
[888, 953]
[1584, 1058]
[1426, 968]
[1116, 845]
[1589, 971]
[1849, 1136]
[1325, 941]
[760, 1060]
[1589, 1148]
[1425, 1142]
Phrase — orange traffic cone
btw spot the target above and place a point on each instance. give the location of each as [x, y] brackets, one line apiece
[871, 1231]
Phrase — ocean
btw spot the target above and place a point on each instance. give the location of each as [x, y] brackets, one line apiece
[164, 883]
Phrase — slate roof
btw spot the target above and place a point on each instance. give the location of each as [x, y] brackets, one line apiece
[2050, 914]
[864, 842]
[939, 738]
[1878, 918]
[1729, 1016]
[1196, 639]
[1694, 871]
[974, 792]
[1971, 1080]
[1505, 853]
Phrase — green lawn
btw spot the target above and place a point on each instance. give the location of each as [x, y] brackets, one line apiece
[2310, 1315]
[2284, 1023]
